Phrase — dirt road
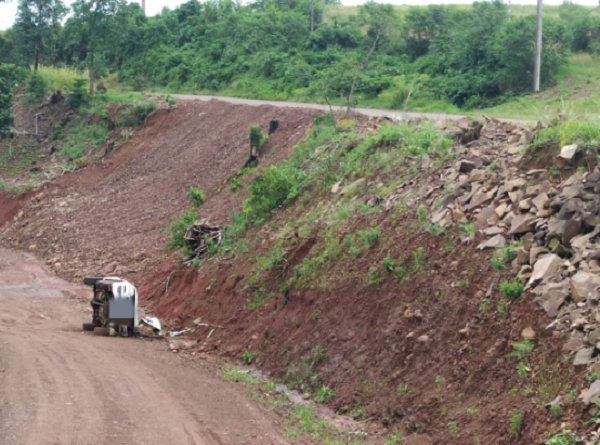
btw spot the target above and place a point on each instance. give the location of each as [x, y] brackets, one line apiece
[372, 112]
[59, 386]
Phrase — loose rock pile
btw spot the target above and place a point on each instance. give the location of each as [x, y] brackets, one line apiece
[551, 228]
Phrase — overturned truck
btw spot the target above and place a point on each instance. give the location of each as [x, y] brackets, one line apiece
[114, 305]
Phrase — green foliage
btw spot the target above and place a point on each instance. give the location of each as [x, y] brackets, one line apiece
[83, 138]
[405, 267]
[394, 439]
[516, 423]
[196, 196]
[274, 188]
[60, 78]
[511, 289]
[135, 115]
[248, 357]
[569, 132]
[258, 298]
[501, 257]
[257, 137]
[370, 236]
[180, 226]
[78, 95]
[324, 393]
[37, 87]
[521, 350]
[373, 275]
[565, 437]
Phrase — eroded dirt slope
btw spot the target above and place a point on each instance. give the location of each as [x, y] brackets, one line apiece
[113, 217]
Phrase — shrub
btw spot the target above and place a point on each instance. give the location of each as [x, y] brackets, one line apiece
[274, 188]
[78, 94]
[37, 87]
[511, 289]
[370, 236]
[136, 114]
[180, 226]
[196, 196]
[257, 137]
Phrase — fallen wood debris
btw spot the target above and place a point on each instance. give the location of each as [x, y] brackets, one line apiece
[200, 237]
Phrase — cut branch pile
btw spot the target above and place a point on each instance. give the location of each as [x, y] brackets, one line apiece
[200, 237]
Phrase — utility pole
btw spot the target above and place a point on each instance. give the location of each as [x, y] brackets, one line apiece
[144, 6]
[538, 48]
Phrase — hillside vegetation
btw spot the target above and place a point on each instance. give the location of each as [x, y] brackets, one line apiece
[427, 58]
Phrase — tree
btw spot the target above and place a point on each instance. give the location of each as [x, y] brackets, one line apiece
[95, 22]
[36, 23]
[9, 76]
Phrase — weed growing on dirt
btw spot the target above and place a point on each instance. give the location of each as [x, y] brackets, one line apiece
[324, 393]
[426, 224]
[501, 257]
[439, 382]
[402, 389]
[248, 357]
[394, 439]
[370, 237]
[373, 275]
[467, 229]
[453, 428]
[511, 289]
[516, 423]
[521, 350]
[259, 297]
[556, 410]
[180, 226]
[565, 437]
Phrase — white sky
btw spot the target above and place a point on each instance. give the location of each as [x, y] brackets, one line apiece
[153, 7]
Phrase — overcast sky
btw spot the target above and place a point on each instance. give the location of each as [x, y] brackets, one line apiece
[7, 10]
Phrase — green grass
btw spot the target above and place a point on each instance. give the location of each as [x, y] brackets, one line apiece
[82, 139]
[516, 423]
[61, 79]
[576, 94]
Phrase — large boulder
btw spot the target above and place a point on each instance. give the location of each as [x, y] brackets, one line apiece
[584, 285]
[545, 268]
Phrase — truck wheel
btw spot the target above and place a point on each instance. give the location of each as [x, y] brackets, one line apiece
[100, 331]
[88, 326]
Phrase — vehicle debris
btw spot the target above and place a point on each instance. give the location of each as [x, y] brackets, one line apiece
[114, 305]
[154, 323]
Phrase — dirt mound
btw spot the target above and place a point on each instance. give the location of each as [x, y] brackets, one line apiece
[113, 217]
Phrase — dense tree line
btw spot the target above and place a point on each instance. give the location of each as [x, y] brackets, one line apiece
[282, 48]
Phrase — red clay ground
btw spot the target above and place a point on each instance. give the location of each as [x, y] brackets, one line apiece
[455, 387]
[113, 217]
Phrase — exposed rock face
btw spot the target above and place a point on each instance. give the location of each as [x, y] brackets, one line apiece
[551, 228]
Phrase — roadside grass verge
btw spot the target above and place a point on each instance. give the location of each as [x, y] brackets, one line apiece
[301, 419]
